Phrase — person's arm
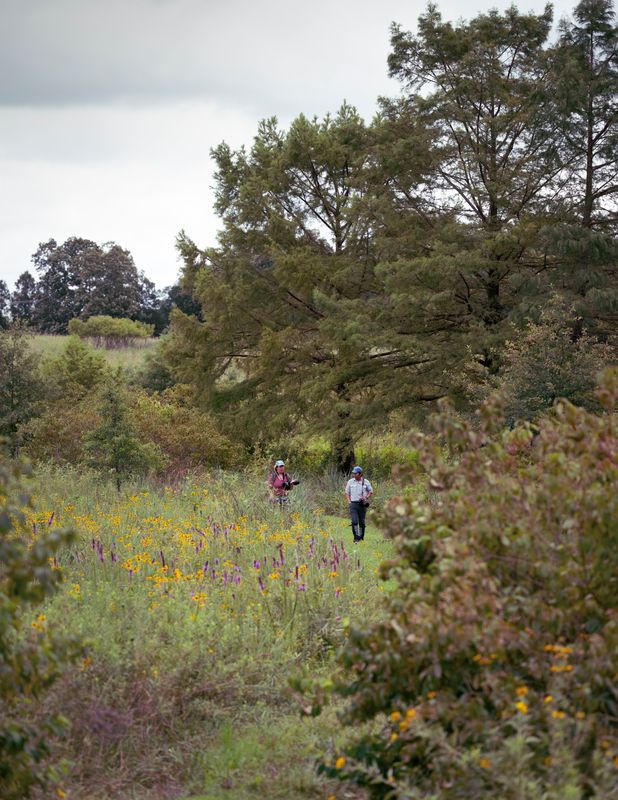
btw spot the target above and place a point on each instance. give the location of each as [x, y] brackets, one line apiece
[347, 492]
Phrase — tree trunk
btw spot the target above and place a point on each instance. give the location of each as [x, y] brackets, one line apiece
[343, 453]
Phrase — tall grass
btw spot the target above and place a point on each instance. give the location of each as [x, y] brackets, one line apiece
[199, 602]
[50, 346]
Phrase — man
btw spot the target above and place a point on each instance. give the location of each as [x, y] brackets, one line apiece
[358, 490]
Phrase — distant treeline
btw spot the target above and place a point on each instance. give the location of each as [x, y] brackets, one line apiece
[80, 279]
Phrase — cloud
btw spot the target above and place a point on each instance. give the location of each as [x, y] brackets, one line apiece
[135, 176]
[275, 57]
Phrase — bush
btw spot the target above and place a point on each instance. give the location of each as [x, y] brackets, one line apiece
[186, 436]
[20, 388]
[110, 332]
[75, 372]
[29, 661]
[494, 674]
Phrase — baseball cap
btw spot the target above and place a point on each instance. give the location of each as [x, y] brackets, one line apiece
[279, 463]
[356, 470]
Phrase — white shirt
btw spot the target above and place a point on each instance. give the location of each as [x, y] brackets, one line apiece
[358, 490]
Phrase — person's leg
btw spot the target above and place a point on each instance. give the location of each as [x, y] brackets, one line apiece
[362, 513]
[354, 518]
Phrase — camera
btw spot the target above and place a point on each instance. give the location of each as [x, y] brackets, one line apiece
[288, 484]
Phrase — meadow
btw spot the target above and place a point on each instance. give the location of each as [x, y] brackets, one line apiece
[50, 346]
[199, 603]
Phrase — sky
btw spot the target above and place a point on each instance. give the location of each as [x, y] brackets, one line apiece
[109, 108]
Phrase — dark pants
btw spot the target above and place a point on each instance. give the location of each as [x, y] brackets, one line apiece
[358, 512]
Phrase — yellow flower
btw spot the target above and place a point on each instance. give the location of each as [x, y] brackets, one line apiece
[334, 574]
[395, 716]
[580, 715]
[340, 762]
[411, 713]
[549, 698]
[558, 714]
[431, 695]
[404, 725]
[484, 763]
[60, 792]
[522, 707]
[521, 691]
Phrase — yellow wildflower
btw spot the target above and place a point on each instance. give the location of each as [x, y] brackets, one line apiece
[521, 691]
[558, 714]
[411, 713]
[549, 698]
[522, 707]
[340, 762]
[396, 716]
[484, 763]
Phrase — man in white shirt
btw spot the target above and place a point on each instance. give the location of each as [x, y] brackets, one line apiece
[358, 490]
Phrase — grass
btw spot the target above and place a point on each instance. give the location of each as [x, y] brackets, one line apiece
[199, 603]
[49, 346]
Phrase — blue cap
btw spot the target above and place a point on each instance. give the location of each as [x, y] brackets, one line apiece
[356, 470]
[279, 463]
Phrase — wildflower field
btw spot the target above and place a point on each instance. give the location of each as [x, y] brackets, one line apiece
[198, 604]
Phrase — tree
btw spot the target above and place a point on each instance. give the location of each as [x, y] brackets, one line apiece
[80, 278]
[23, 299]
[59, 269]
[114, 446]
[5, 297]
[20, 388]
[587, 80]
[110, 284]
[481, 88]
[75, 373]
[29, 662]
[547, 361]
[492, 673]
[287, 291]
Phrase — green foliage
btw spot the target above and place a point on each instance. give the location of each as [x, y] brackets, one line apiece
[5, 296]
[586, 84]
[80, 278]
[76, 372]
[20, 388]
[289, 292]
[186, 436]
[110, 331]
[552, 358]
[493, 674]
[113, 445]
[29, 661]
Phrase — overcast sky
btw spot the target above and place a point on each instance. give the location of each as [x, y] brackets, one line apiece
[108, 108]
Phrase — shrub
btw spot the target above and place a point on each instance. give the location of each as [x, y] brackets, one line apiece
[114, 446]
[188, 437]
[494, 674]
[29, 661]
[110, 331]
[75, 372]
[20, 388]
[59, 433]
